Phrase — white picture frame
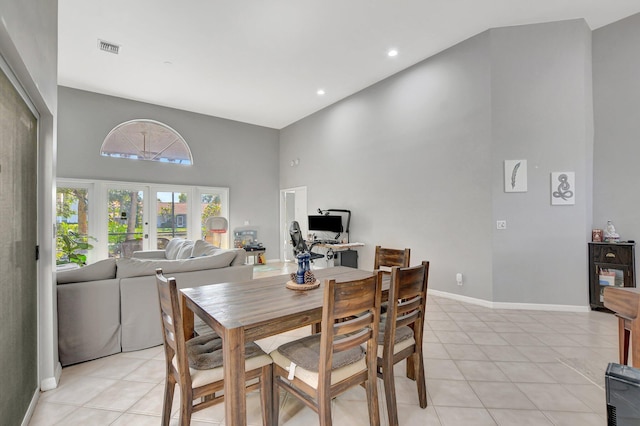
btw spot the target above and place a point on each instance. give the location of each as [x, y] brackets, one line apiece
[563, 188]
[515, 175]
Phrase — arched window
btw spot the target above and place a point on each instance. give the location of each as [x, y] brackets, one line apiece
[146, 140]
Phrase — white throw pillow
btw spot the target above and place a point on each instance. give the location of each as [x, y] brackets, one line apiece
[173, 247]
[203, 248]
[185, 250]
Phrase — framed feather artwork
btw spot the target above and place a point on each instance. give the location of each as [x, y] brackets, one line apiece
[515, 175]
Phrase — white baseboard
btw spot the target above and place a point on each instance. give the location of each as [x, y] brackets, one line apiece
[32, 408]
[52, 382]
[509, 305]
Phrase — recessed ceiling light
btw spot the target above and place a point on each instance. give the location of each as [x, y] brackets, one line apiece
[320, 92]
[392, 53]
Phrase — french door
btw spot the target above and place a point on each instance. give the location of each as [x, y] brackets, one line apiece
[119, 218]
[127, 220]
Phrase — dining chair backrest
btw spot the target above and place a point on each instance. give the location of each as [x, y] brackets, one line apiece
[403, 332]
[172, 332]
[388, 258]
[407, 301]
[350, 316]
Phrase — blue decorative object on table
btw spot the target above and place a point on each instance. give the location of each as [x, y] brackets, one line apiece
[307, 258]
[301, 266]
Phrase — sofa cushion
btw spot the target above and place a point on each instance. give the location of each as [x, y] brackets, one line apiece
[101, 270]
[143, 267]
[203, 248]
[173, 247]
[185, 250]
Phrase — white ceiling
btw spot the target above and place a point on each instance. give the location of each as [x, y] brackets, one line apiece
[262, 61]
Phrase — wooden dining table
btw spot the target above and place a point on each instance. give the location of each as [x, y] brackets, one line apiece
[625, 302]
[247, 311]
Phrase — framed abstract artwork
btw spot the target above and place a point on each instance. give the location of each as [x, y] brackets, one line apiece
[515, 176]
[563, 188]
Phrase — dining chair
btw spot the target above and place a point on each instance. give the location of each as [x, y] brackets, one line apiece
[388, 258]
[195, 365]
[317, 368]
[401, 332]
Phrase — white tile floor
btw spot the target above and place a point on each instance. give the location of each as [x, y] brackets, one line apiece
[483, 366]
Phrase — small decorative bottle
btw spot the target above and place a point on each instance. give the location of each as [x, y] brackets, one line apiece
[301, 266]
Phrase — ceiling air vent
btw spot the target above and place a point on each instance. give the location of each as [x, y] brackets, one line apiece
[108, 47]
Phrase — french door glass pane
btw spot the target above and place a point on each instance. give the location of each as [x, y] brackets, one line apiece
[171, 217]
[214, 228]
[72, 217]
[126, 229]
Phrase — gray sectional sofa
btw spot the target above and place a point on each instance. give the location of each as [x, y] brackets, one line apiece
[112, 306]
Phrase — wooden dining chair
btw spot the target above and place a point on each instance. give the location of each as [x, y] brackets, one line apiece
[317, 368]
[401, 333]
[388, 258]
[196, 364]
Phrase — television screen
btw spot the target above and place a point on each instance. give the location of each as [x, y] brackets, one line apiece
[325, 223]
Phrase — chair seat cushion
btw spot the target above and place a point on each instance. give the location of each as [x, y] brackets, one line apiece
[205, 352]
[311, 377]
[201, 377]
[402, 333]
[305, 352]
[204, 377]
[404, 339]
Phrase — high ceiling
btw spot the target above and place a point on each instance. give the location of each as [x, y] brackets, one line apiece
[262, 61]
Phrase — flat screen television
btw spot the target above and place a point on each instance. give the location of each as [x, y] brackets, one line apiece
[325, 223]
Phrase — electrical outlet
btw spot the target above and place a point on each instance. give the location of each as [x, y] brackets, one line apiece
[459, 278]
[501, 224]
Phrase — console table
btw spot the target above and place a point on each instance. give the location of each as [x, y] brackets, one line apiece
[618, 258]
[254, 253]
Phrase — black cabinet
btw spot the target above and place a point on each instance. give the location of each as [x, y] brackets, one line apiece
[610, 264]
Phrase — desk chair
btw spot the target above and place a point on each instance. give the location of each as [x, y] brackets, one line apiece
[204, 352]
[401, 335]
[329, 363]
[299, 246]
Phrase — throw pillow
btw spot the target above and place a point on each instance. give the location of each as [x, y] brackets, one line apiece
[185, 250]
[172, 248]
[203, 248]
[101, 270]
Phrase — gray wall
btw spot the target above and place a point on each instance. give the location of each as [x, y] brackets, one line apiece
[616, 95]
[226, 153]
[418, 158]
[411, 158]
[541, 111]
[28, 43]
